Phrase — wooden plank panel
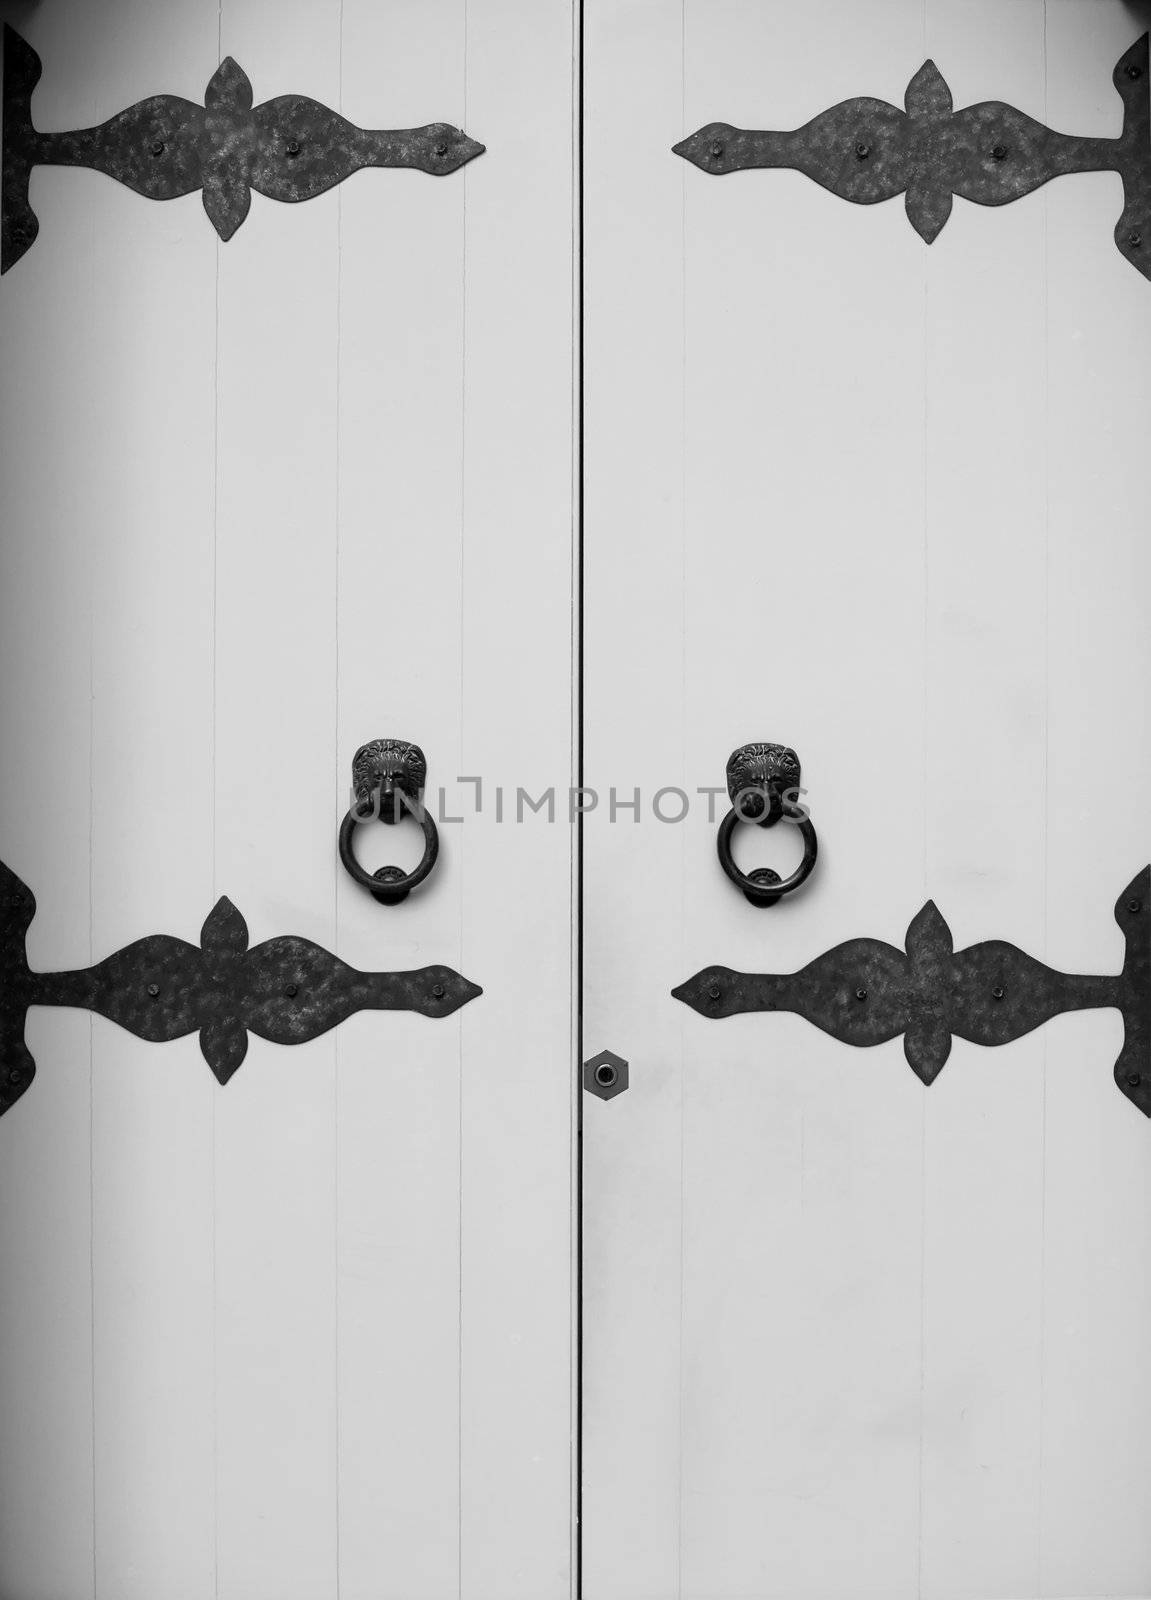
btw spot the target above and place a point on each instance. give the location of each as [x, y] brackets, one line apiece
[152, 305]
[1097, 1400]
[755, 547]
[51, 368]
[516, 683]
[424, 1442]
[275, 722]
[803, 591]
[985, 707]
[400, 407]
[633, 430]
[151, 1501]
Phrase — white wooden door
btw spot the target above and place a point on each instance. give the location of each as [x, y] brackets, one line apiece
[262, 501]
[845, 1336]
[318, 1333]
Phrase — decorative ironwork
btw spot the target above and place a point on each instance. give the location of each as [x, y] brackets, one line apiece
[763, 783]
[865, 992]
[385, 772]
[290, 148]
[287, 990]
[866, 150]
[388, 777]
[761, 779]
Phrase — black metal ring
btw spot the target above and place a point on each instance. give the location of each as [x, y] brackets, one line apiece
[389, 885]
[764, 886]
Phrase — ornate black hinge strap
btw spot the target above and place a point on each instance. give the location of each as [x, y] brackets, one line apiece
[290, 148]
[288, 990]
[865, 992]
[867, 150]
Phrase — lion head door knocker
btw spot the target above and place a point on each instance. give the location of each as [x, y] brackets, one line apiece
[763, 783]
[388, 777]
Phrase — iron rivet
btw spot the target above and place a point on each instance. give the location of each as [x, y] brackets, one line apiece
[153, 990]
[441, 150]
[714, 992]
[861, 994]
[605, 1075]
[14, 1075]
[1134, 72]
[1134, 905]
[292, 147]
[862, 150]
[1135, 239]
[438, 990]
[292, 990]
[716, 151]
[999, 151]
[158, 147]
[998, 992]
[1134, 1080]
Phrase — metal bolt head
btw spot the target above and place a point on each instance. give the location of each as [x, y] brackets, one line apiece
[157, 147]
[153, 990]
[862, 150]
[999, 152]
[605, 1075]
[292, 990]
[861, 994]
[1134, 71]
[714, 992]
[292, 148]
[1134, 905]
[1135, 239]
[441, 150]
[716, 150]
[998, 992]
[438, 990]
[1134, 1080]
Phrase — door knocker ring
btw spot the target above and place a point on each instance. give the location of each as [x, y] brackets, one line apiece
[763, 783]
[388, 777]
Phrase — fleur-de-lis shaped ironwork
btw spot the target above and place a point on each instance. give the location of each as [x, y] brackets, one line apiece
[290, 148]
[866, 992]
[866, 150]
[287, 990]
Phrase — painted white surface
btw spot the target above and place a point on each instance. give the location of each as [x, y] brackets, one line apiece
[263, 501]
[845, 1337]
[313, 1334]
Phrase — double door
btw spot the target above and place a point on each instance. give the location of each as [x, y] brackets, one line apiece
[580, 469]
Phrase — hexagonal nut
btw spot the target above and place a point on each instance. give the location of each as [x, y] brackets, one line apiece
[605, 1075]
